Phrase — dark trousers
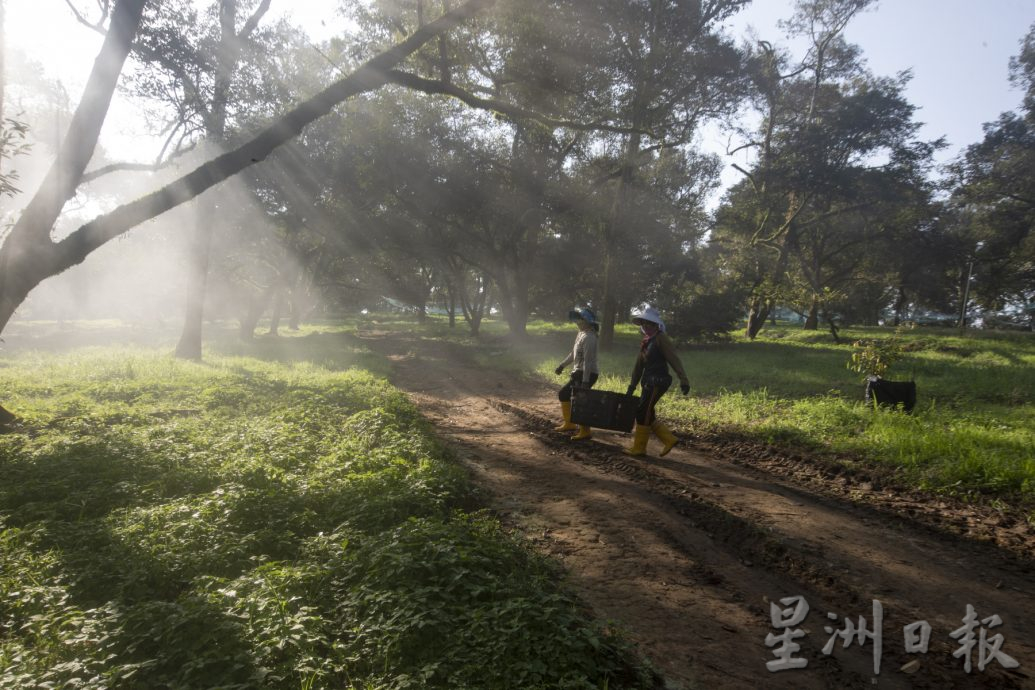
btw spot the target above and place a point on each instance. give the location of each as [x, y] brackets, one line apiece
[651, 390]
[575, 382]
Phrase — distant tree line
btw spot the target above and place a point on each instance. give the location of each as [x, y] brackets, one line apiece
[532, 154]
[541, 159]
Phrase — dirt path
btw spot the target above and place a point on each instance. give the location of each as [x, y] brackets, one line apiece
[684, 553]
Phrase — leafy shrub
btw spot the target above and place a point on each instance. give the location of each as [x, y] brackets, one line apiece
[261, 525]
[703, 315]
[875, 356]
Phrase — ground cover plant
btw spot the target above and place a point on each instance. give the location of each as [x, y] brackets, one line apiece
[272, 517]
[971, 435]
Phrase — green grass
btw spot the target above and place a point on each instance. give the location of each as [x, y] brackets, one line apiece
[276, 516]
[972, 434]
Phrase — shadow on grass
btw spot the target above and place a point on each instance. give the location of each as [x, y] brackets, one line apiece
[138, 622]
[142, 523]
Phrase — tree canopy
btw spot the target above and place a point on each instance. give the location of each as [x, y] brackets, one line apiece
[524, 156]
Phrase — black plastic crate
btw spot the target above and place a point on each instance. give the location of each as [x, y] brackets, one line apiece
[604, 409]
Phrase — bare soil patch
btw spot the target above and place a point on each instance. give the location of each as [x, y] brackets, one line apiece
[685, 553]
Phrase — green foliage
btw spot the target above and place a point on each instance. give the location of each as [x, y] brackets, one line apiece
[705, 316]
[874, 356]
[241, 524]
[13, 134]
[971, 433]
[459, 604]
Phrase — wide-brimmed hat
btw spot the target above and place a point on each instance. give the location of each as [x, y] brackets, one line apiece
[586, 314]
[648, 314]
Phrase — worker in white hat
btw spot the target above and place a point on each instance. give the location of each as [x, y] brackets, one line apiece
[584, 369]
[651, 373]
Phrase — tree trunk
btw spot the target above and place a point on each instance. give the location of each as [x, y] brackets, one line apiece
[517, 324]
[758, 312]
[609, 318]
[474, 309]
[257, 305]
[301, 298]
[28, 256]
[900, 305]
[964, 296]
[295, 306]
[451, 309]
[189, 346]
[227, 56]
[3, 81]
[616, 221]
[832, 322]
[3, 86]
[278, 310]
[812, 321]
[514, 304]
[607, 315]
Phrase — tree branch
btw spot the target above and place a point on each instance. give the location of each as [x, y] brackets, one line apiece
[430, 86]
[98, 27]
[253, 21]
[373, 74]
[746, 174]
[159, 164]
[64, 175]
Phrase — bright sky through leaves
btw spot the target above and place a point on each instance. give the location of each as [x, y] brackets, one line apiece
[959, 52]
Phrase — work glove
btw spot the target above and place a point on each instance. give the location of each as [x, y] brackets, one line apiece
[685, 387]
[559, 370]
[631, 390]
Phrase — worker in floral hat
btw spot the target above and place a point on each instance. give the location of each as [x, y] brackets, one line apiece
[584, 370]
[651, 373]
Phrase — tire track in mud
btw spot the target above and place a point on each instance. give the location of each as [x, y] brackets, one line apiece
[684, 552]
[750, 542]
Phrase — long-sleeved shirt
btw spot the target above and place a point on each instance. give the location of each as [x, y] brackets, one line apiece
[584, 355]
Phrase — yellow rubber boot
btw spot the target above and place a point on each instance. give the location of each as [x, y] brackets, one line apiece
[640, 436]
[566, 425]
[584, 432]
[666, 437]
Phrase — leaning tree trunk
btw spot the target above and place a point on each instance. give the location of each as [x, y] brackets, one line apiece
[28, 255]
[5, 416]
[834, 330]
[812, 321]
[3, 81]
[758, 312]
